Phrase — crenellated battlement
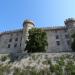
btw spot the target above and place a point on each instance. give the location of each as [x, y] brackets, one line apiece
[70, 22]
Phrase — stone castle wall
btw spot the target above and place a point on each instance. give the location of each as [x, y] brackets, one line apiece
[58, 38]
[10, 41]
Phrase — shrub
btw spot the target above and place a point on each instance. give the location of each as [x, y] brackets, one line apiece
[17, 71]
[4, 69]
[13, 57]
[39, 43]
[3, 58]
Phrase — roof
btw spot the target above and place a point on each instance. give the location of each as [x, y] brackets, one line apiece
[13, 31]
[28, 21]
[45, 28]
[55, 28]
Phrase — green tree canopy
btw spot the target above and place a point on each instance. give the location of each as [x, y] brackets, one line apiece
[37, 40]
[73, 42]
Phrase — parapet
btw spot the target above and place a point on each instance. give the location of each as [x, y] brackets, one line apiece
[28, 21]
[69, 20]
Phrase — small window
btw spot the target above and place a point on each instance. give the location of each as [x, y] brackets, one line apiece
[8, 45]
[15, 45]
[68, 42]
[20, 44]
[10, 40]
[58, 42]
[66, 36]
[11, 35]
[65, 30]
[21, 38]
[57, 37]
[16, 39]
[16, 34]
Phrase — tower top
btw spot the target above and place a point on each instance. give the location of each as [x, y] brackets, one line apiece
[28, 21]
[69, 20]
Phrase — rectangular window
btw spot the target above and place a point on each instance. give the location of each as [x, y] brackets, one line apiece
[8, 45]
[15, 45]
[21, 38]
[20, 44]
[16, 39]
[58, 42]
[68, 42]
[10, 40]
[66, 36]
[57, 37]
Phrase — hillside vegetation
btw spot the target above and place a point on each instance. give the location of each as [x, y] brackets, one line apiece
[39, 64]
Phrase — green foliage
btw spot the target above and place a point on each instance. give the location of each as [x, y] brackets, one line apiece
[17, 71]
[45, 62]
[73, 43]
[1, 70]
[33, 72]
[37, 40]
[64, 65]
[3, 58]
[34, 57]
[12, 57]
[58, 69]
[4, 69]
[61, 62]
[70, 68]
[49, 61]
[52, 68]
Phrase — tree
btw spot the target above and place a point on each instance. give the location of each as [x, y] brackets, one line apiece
[73, 42]
[37, 40]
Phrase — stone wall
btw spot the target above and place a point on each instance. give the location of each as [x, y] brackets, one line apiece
[10, 41]
[58, 35]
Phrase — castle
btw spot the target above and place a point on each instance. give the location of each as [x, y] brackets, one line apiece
[59, 38]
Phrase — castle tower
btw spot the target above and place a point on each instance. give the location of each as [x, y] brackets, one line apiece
[70, 25]
[70, 22]
[27, 24]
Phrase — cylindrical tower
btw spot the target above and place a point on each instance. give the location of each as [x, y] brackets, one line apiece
[27, 24]
[70, 25]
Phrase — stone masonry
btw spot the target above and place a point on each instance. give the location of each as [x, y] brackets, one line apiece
[59, 38]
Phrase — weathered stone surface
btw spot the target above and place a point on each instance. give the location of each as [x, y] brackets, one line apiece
[16, 39]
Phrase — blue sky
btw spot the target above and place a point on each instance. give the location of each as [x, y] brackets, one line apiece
[45, 13]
